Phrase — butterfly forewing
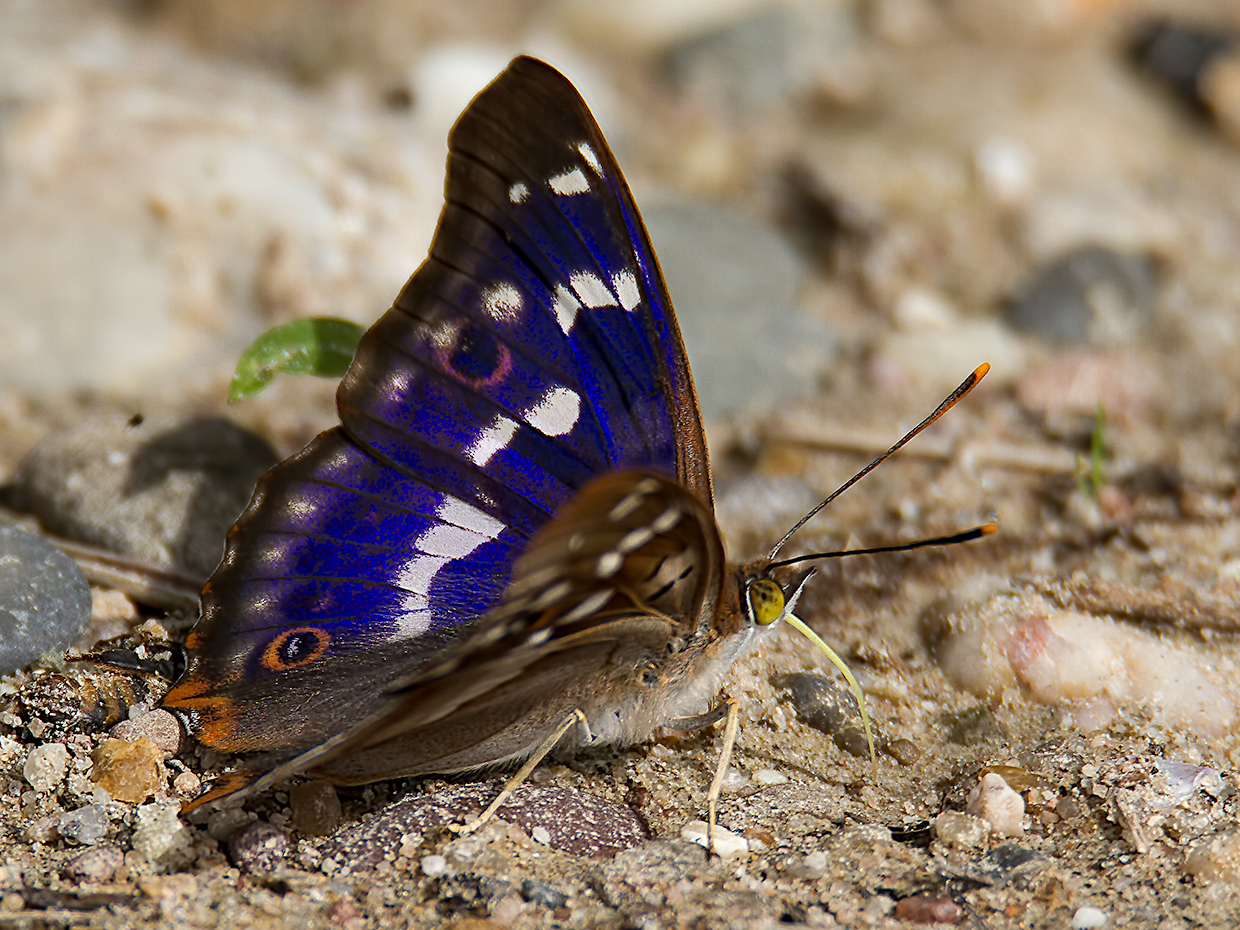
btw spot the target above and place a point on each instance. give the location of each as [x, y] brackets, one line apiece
[534, 350]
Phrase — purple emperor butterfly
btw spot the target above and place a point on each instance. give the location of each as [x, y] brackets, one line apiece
[509, 540]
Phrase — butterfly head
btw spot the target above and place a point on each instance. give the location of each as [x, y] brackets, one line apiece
[768, 594]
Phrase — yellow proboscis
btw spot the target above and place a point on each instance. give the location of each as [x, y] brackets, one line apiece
[799, 625]
[767, 604]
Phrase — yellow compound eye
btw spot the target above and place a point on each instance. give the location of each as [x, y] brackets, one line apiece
[766, 601]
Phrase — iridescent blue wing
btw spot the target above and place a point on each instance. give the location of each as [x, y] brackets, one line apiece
[535, 349]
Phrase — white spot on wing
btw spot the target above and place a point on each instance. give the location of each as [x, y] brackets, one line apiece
[591, 159]
[666, 520]
[301, 507]
[608, 564]
[456, 511]
[555, 413]
[635, 539]
[453, 541]
[592, 291]
[588, 606]
[491, 440]
[518, 192]
[417, 574]
[569, 183]
[625, 286]
[502, 302]
[414, 618]
[566, 307]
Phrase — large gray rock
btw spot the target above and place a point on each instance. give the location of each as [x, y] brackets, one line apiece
[44, 598]
[735, 283]
[162, 491]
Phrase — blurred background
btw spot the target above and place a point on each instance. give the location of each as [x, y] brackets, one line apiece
[869, 196]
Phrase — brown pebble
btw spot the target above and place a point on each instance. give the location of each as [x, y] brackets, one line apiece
[159, 726]
[904, 751]
[97, 864]
[926, 909]
[316, 808]
[343, 910]
[258, 847]
[187, 785]
[129, 771]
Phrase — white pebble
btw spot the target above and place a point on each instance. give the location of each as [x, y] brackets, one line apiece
[434, 865]
[46, 766]
[1005, 169]
[1089, 918]
[726, 843]
[541, 834]
[769, 777]
[998, 805]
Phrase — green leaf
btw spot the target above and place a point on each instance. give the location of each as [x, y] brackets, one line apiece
[317, 346]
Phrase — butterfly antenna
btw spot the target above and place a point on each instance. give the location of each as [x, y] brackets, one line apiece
[966, 536]
[965, 387]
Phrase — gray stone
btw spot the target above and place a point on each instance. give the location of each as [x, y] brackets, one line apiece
[87, 825]
[576, 822]
[1093, 295]
[44, 599]
[770, 58]
[160, 837]
[827, 704]
[735, 283]
[94, 865]
[162, 491]
[46, 765]
[258, 847]
[159, 726]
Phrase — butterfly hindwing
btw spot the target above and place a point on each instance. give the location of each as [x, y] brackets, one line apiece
[534, 350]
[612, 585]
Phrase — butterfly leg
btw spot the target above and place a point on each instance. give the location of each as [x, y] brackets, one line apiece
[725, 756]
[574, 719]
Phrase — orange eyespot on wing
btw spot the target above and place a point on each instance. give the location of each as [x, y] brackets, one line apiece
[295, 648]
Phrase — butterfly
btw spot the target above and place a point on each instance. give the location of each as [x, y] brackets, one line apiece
[508, 543]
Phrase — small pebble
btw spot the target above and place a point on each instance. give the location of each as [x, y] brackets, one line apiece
[725, 842]
[87, 825]
[46, 766]
[1089, 918]
[42, 829]
[316, 808]
[94, 865]
[159, 836]
[927, 909]
[827, 704]
[769, 777]
[904, 751]
[1216, 858]
[433, 865]
[159, 726]
[1093, 294]
[187, 785]
[130, 771]
[538, 893]
[44, 598]
[258, 847]
[997, 804]
[541, 834]
[964, 831]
